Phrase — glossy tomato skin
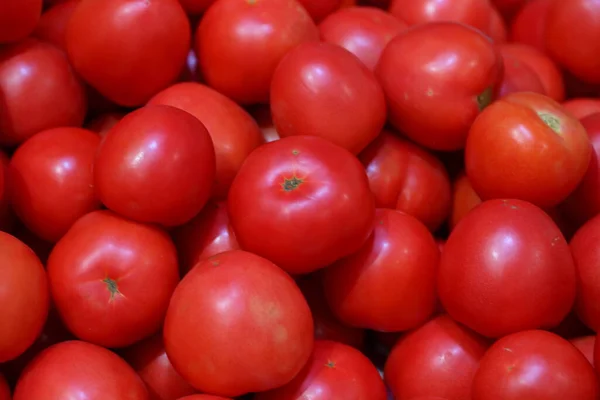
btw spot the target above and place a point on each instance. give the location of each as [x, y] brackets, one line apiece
[534, 365]
[112, 278]
[519, 77]
[585, 344]
[467, 74]
[464, 199]
[237, 59]
[256, 328]
[52, 26]
[18, 18]
[75, 369]
[156, 165]
[581, 107]
[276, 203]
[529, 24]
[126, 64]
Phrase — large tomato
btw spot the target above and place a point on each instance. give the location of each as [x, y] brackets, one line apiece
[52, 27]
[111, 278]
[238, 324]
[18, 18]
[529, 24]
[277, 201]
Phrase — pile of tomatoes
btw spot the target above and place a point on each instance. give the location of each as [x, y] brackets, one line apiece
[299, 199]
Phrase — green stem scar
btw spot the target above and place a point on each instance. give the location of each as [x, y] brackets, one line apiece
[112, 287]
[291, 184]
[551, 120]
[484, 98]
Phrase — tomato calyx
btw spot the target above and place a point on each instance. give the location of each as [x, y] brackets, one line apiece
[112, 287]
[484, 98]
[291, 184]
[330, 364]
[551, 121]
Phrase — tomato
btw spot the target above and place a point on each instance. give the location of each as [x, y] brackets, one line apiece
[463, 77]
[156, 165]
[240, 42]
[18, 19]
[503, 157]
[464, 199]
[519, 77]
[529, 24]
[256, 328]
[4, 389]
[39, 91]
[363, 31]
[53, 23]
[126, 64]
[319, 9]
[233, 131]
[334, 370]
[104, 122]
[534, 365]
[438, 359]
[196, 7]
[111, 279]
[276, 203]
[497, 31]
[582, 107]
[79, 369]
[586, 345]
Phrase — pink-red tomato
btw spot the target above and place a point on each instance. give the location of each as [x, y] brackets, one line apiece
[585, 344]
[18, 19]
[529, 24]
[255, 327]
[497, 31]
[277, 201]
[464, 199]
[104, 122]
[196, 7]
[157, 165]
[52, 27]
[4, 389]
[319, 9]
[519, 77]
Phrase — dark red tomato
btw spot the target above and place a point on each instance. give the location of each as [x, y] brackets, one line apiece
[111, 279]
[586, 345]
[464, 199]
[529, 24]
[18, 19]
[233, 131]
[582, 107]
[126, 64]
[495, 258]
[463, 72]
[77, 369]
[497, 31]
[508, 7]
[39, 91]
[8, 220]
[2, 183]
[321, 89]
[104, 123]
[438, 359]
[4, 389]
[519, 77]
[256, 328]
[527, 146]
[262, 115]
[534, 365]
[363, 31]
[319, 9]
[240, 42]
[53, 23]
[276, 203]
[334, 370]
[156, 165]
[196, 7]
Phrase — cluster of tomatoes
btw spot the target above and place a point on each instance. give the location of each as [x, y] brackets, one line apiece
[299, 199]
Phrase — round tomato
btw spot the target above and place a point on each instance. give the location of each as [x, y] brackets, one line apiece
[111, 279]
[582, 107]
[529, 24]
[585, 344]
[156, 165]
[464, 199]
[255, 327]
[276, 203]
[519, 77]
[18, 18]
[53, 24]
[104, 122]
[4, 389]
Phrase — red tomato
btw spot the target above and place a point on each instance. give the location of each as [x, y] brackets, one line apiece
[240, 42]
[461, 78]
[77, 369]
[23, 295]
[497, 31]
[534, 365]
[233, 131]
[529, 24]
[156, 165]
[196, 7]
[334, 370]
[18, 19]
[319, 9]
[39, 91]
[111, 279]
[276, 203]
[104, 122]
[53, 23]
[464, 199]
[4, 389]
[363, 31]
[519, 77]
[126, 64]
[256, 328]
[495, 258]
[438, 359]
[582, 107]
[526, 146]
[585, 344]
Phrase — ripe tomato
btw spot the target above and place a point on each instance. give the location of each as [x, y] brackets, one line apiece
[319, 9]
[585, 344]
[233, 131]
[463, 72]
[127, 64]
[534, 365]
[276, 203]
[519, 77]
[529, 24]
[18, 19]
[464, 199]
[503, 157]
[582, 107]
[497, 31]
[156, 165]
[79, 369]
[111, 279]
[53, 23]
[256, 328]
[239, 43]
[4, 389]
[104, 122]
[39, 91]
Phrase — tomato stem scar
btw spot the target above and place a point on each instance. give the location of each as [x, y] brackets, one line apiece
[291, 184]
[112, 286]
[484, 98]
[551, 120]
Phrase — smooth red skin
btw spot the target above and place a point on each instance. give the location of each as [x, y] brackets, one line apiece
[534, 365]
[500, 253]
[389, 284]
[52, 26]
[233, 131]
[503, 157]
[498, 30]
[582, 107]
[51, 180]
[467, 64]
[320, 9]
[519, 77]
[321, 89]
[140, 258]
[529, 24]
[4, 389]
[156, 165]
[196, 7]
[104, 122]
[405, 177]
[464, 199]
[586, 345]
[79, 369]
[289, 227]
[256, 328]
[39, 91]
[126, 64]
[239, 44]
[18, 19]
[438, 359]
